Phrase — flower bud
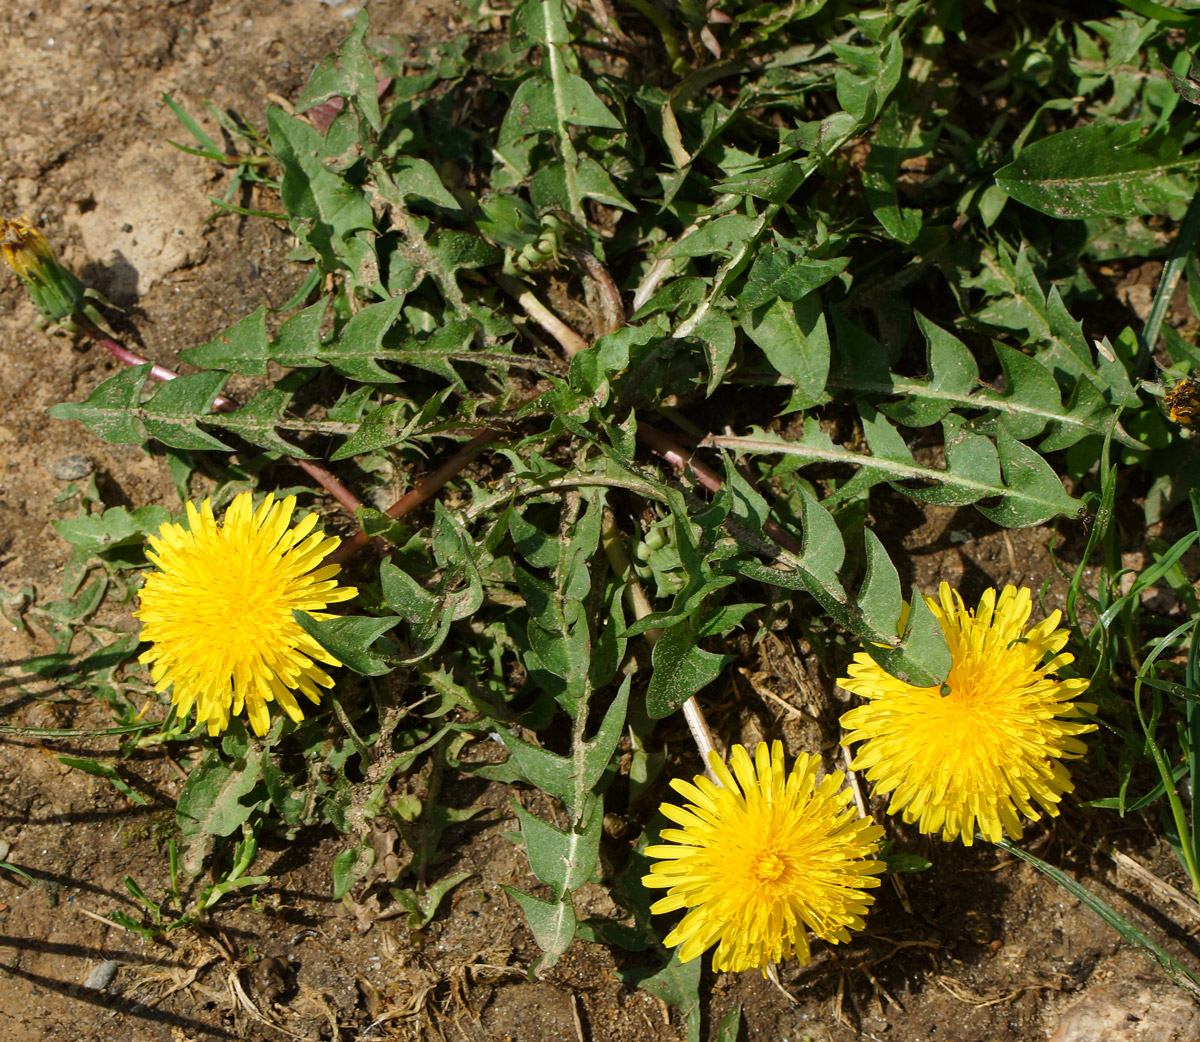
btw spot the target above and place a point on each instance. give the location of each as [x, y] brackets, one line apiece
[56, 292]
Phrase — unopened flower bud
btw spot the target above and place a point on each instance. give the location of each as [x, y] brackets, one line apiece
[56, 292]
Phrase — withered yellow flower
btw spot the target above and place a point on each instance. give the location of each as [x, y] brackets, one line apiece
[218, 611]
[988, 746]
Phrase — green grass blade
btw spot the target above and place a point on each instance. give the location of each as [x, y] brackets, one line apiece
[1172, 967]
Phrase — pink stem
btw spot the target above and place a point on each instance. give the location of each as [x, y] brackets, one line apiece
[349, 501]
[122, 354]
[683, 460]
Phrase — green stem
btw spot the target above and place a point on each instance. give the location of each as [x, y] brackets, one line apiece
[360, 746]
[1181, 249]
[1186, 844]
[558, 74]
[618, 558]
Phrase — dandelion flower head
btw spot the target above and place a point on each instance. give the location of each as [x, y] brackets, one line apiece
[23, 246]
[761, 858]
[218, 611]
[988, 745]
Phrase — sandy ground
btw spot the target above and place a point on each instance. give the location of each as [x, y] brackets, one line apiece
[978, 948]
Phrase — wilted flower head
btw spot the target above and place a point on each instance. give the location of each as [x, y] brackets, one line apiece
[761, 858]
[56, 292]
[985, 747]
[219, 611]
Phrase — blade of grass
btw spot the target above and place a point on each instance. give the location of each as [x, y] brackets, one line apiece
[1187, 844]
[1181, 250]
[1191, 680]
[1175, 970]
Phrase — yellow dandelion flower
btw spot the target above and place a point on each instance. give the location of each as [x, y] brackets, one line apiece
[987, 745]
[762, 858]
[219, 611]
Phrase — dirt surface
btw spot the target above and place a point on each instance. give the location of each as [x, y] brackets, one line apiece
[977, 949]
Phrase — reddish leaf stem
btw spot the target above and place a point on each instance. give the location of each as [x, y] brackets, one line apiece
[683, 460]
[425, 490]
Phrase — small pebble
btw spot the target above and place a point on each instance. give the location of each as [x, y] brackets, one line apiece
[1130, 1011]
[71, 468]
[5, 848]
[101, 977]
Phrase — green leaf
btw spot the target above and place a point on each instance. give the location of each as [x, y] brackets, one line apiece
[242, 348]
[312, 192]
[256, 422]
[564, 861]
[681, 668]
[822, 548]
[866, 76]
[731, 1024]
[1029, 382]
[953, 376]
[117, 526]
[891, 145]
[354, 352]
[211, 804]
[170, 415]
[417, 179]
[572, 778]
[716, 332]
[880, 599]
[558, 631]
[388, 425]
[795, 339]
[348, 74]
[776, 275]
[775, 180]
[580, 105]
[351, 865]
[547, 770]
[923, 658]
[1100, 170]
[423, 905]
[551, 922]
[596, 183]
[459, 594]
[537, 107]
[348, 638]
[106, 771]
[592, 367]
[450, 342]
[114, 410]
[593, 756]
[299, 339]
[110, 411]
[721, 235]
[1035, 492]
[1030, 491]
[193, 128]
[677, 983]
[1160, 12]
